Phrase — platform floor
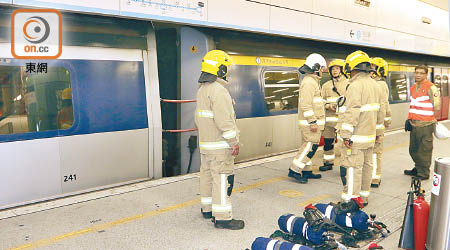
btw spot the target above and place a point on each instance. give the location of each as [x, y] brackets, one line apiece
[165, 214]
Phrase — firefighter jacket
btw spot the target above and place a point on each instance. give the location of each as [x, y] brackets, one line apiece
[363, 112]
[382, 92]
[424, 101]
[215, 119]
[385, 99]
[331, 91]
[310, 103]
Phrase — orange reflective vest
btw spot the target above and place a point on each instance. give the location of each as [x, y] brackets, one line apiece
[421, 108]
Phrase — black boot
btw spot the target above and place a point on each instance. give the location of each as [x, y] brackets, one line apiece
[297, 177]
[326, 167]
[343, 173]
[375, 185]
[229, 224]
[412, 172]
[310, 175]
[206, 215]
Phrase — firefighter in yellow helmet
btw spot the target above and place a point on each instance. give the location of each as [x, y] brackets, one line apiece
[64, 118]
[218, 140]
[331, 91]
[379, 73]
[358, 126]
[311, 118]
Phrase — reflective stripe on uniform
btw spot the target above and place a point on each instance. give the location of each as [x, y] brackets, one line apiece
[375, 165]
[305, 122]
[308, 113]
[421, 98]
[214, 145]
[332, 99]
[421, 104]
[347, 127]
[223, 188]
[380, 126]
[328, 157]
[364, 193]
[331, 119]
[387, 118]
[298, 161]
[206, 200]
[363, 138]
[370, 107]
[229, 134]
[350, 182]
[205, 113]
[221, 208]
[317, 100]
[421, 112]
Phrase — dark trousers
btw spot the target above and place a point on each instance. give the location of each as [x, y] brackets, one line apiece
[421, 148]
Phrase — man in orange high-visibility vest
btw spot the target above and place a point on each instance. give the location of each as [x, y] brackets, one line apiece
[421, 122]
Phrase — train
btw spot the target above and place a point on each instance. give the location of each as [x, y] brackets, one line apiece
[121, 72]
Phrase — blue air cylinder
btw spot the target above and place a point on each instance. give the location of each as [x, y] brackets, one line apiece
[357, 220]
[262, 243]
[292, 224]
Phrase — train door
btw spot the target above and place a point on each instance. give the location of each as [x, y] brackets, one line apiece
[445, 95]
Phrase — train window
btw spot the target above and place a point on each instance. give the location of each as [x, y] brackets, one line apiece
[33, 102]
[399, 87]
[281, 90]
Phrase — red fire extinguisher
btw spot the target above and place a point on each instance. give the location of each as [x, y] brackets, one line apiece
[421, 212]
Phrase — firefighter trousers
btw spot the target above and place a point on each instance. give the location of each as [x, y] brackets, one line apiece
[216, 184]
[376, 159]
[359, 173]
[329, 135]
[421, 148]
[309, 145]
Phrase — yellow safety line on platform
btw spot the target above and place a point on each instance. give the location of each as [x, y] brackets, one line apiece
[396, 146]
[314, 200]
[49, 241]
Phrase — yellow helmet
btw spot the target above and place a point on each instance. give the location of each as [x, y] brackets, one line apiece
[336, 62]
[357, 60]
[66, 94]
[381, 66]
[216, 62]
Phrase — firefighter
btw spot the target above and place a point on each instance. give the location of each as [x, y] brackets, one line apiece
[331, 91]
[358, 127]
[421, 122]
[311, 118]
[218, 140]
[380, 70]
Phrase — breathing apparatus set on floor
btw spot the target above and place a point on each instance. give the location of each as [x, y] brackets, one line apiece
[321, 222]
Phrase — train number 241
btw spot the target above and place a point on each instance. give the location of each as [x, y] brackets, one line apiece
[72, 177]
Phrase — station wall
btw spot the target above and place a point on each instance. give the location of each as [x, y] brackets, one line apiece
[405, 25]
